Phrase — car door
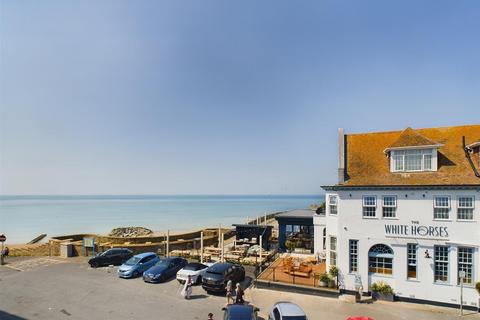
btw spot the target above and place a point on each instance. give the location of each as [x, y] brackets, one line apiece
[114, 257]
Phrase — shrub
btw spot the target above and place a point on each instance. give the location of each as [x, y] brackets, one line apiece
[333, 271]
[324, 277]
[477, 286]
[382, 287]
[290, 245]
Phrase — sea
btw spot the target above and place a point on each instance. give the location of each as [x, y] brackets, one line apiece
[22, 218]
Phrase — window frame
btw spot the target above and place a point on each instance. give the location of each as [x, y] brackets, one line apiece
[330, 205]
[443, 262]
[471, 265]
[470, 208]
[381, 260]
[412, 256]
[333, 252]
[449, 207]
[353, 256]
[364, 206]
[395, 206]
[402, 154]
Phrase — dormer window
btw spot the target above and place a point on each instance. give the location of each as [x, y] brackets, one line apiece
[413, 160]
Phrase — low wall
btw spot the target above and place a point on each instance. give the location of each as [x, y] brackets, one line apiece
[183, 241]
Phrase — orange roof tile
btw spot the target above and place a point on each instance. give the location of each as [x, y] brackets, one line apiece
[368, 165]
[411, 138]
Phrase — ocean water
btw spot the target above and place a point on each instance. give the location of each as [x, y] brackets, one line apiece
[24, 217]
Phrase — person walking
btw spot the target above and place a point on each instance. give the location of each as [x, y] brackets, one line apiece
[187, 288]
[229, 289]
[239, 294]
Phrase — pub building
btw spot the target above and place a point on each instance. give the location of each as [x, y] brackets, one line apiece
[406, 211]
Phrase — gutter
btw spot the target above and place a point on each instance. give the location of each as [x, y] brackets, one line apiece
[403, 187]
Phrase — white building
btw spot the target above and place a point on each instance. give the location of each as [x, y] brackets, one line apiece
[406, 211]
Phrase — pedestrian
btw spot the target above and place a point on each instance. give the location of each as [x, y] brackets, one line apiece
[187, 288]
[5, 252]
[229, 289]
[210, 316]
[239, 294]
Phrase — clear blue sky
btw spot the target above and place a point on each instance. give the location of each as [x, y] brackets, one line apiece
[220, 97]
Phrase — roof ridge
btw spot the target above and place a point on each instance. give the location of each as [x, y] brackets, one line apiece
[424, 128]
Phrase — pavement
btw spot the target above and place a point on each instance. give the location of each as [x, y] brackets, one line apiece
[55, 288]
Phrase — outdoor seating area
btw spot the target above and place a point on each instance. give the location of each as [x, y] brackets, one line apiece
[295, 269]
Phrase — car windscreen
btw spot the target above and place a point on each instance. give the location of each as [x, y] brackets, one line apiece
[132, 261]
[162, 263]
[213, 275]
[194, 266]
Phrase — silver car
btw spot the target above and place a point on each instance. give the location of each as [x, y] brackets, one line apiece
[286, 311]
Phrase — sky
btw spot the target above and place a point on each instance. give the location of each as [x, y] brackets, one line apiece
[220, 97]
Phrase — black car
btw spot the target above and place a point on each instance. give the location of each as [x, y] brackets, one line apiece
[164, 269]
[115, 256]
[240, 312]
[217, 276]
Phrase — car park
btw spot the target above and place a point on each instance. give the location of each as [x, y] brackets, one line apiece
[240, 312]
[216, 277]
[115, 256]
[137, 264]
[195, 270]
[164, 269]
[287, 311]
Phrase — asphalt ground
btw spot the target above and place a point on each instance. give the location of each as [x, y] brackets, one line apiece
[55, 288]
[49, 288]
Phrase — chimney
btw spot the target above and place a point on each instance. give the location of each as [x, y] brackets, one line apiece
[341, 156]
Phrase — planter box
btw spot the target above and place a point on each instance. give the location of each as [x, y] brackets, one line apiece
[323, 284]
[383, 296]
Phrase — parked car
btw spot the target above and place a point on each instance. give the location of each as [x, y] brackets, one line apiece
[240, 312]
[137, 264]
[164, 269]
[285, 311]
[217, 276]
[195, 269]
[115, 256]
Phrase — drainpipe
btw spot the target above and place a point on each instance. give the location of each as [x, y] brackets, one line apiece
[469, 158]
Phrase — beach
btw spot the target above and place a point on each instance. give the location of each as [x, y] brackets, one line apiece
[29, 216]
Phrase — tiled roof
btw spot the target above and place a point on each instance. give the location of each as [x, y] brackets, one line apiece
[368, 165]
[411, 138]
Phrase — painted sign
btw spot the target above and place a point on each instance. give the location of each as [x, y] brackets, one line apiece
[415, 230]
[3, 238]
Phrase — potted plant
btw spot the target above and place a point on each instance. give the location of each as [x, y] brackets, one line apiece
[382, 291]
[324, 279]
[290, 245]
[477, 287]
[333, 271]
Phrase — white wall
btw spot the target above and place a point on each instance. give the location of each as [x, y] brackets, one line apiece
[414, 206]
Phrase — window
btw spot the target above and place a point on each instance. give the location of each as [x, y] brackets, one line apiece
[353, 250]
[380, 259]
[440, 258]
[332, 200]
[369, 206]
[412, 160]
[324, 238]
[465, 208]
[276, 314]
[333, 251]
[389, 206]
[441, 207]
[465, 263]
[412, 260]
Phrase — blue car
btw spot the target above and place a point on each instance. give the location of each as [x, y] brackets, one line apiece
[164, 269]
[136, 265]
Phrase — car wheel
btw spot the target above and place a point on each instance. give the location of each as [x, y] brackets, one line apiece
[94, 265]
[199, 280]
[135, 274]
